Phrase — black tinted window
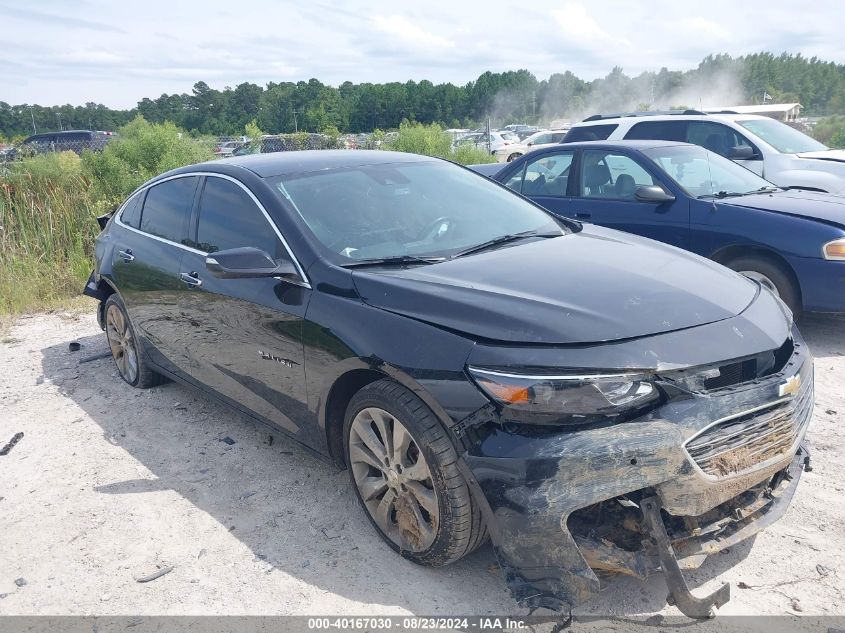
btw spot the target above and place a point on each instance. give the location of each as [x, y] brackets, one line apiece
[167, 207]
[228, 218]
[659, 130]
[131, 214]
[590, 133]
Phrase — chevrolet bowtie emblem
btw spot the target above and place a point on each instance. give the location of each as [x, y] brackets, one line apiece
[790, 387]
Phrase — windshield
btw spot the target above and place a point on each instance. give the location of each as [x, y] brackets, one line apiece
[785, 139]
[425, 209]
[703, 174]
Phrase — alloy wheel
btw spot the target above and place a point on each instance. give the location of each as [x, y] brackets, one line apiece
[393, 479]
[122, 344]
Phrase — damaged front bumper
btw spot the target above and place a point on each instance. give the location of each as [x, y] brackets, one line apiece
[690, 479]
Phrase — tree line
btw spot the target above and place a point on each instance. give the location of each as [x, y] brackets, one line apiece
[506, 97]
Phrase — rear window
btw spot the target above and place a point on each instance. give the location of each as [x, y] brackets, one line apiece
[131, 214]
[590, 133]
[659, 131]
[167, 207]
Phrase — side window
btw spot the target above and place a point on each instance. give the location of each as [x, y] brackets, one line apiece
[548, 175]
[611, 176]
[659, 130]
[131, 214]
[229, 218]
[515, 181]
[167, 208]
[718, 138]
[590, 133]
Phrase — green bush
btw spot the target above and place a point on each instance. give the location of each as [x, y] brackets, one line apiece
[830, 131]
[432, 140]
[140, 151]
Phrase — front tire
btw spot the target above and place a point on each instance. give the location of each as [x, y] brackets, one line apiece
[773, 277]
[404, 470]
[125, 348]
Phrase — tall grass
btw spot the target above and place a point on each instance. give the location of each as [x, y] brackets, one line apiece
[49, 204]
[47, 228]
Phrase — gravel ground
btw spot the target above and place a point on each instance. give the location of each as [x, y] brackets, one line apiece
[110, 484]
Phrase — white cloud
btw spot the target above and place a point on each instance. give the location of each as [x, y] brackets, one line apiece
[404, 30]
[577, 23]
[703, 27]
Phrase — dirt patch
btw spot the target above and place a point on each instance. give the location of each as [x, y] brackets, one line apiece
[407, 521]
[735, 461]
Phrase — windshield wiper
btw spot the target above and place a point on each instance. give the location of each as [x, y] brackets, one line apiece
[767, 189]
[722, 194]
[502, 239]
[397, 260]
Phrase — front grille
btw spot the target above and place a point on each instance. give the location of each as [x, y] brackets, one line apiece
[742, 442]
[734, 372]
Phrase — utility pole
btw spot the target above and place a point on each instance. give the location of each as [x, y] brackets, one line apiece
[59, 117]
[295, 126]
[32, 116]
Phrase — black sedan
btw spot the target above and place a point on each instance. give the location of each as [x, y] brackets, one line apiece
[480, 366]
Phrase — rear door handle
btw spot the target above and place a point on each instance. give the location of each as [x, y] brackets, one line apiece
[191, 279]
[126, 255]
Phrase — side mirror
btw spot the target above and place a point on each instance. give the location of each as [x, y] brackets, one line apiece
[652, 193]
[245, 262]
[742, 152]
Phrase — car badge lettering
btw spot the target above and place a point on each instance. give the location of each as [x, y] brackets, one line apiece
[283, 361]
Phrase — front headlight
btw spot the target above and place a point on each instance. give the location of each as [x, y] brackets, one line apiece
[834, 250]
[566, 399]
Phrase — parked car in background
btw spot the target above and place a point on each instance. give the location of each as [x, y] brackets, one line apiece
[792, 242]
[522, 130]
[543, 138]
[771, 149]
[464, 353]
[67, 140]
[497, 143]
[227, 148]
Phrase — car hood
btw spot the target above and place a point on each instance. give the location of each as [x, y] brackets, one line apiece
[809, 204]
[837, 155]
[590, 286]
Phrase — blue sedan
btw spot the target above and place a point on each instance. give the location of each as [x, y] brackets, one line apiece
[791, 241]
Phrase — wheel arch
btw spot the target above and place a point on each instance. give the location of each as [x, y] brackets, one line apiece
[729, 253]
[338, 395]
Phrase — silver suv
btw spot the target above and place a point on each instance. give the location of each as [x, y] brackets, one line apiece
[777, 152]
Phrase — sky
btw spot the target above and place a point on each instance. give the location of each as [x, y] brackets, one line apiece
[117, 52]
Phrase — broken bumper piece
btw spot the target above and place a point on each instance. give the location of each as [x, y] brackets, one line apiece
[564, 508]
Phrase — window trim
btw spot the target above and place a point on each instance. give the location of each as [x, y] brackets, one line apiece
[303, 281]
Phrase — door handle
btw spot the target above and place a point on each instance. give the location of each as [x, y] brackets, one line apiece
[583, 215]
[126, 255]
[191, 279]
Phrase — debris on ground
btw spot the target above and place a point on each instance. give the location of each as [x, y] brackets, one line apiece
[156, 574]
[11, 443]
[228, 440]
[20, 582]
[74, 346]
[88, 359]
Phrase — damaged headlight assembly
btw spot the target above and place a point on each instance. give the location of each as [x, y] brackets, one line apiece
[567, 399]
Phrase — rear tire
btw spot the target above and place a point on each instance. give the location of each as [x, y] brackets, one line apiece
[125, 348]
[773, 276]
[409, 485]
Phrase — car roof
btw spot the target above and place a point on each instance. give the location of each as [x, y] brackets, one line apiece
[295, 162]
[645, 116]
